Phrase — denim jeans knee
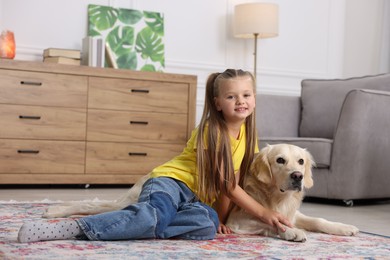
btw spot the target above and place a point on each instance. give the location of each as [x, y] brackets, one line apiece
[186, 217]
[195, 221]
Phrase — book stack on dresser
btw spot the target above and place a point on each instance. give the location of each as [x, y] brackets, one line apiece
[62, 56]
[82, 125]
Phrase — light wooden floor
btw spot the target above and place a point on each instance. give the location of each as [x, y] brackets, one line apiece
[373, 218]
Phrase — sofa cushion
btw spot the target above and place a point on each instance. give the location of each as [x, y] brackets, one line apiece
[320, 148]
[278, 115]
[322, 102]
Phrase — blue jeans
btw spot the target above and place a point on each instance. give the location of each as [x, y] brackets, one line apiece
[166, 208]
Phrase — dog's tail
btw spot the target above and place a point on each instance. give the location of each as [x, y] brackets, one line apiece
[132, 195]
[95, 207]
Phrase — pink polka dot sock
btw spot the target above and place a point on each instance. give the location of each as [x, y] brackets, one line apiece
[42, 230]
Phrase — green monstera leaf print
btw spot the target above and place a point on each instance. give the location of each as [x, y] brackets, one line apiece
[102, 17]
[121, 41]
[155, 21]
[130, 17]
[135, 37]
[148, 67]
[127, 61]
[150, 45]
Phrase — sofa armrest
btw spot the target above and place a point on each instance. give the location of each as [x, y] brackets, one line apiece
[361, 148]
[278, 116]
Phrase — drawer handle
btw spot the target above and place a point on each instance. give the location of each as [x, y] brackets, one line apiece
[139, 91]
[29, 151]
[31, 83]
[139, 122]
[138, 154]
[30, 117]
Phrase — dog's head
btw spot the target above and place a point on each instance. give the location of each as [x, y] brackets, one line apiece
[286, 166]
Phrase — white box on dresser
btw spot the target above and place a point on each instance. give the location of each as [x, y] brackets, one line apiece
[64, 124]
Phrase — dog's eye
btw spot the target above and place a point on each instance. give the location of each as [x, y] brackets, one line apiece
[301, 161]
[280, 160]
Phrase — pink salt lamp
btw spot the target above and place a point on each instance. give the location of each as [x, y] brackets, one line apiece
[7, 45]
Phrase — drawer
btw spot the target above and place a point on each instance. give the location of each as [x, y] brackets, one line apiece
[137, 95]
[33, 88]
[31, 156]
[35, 122]
[128, 158]
[119, 126]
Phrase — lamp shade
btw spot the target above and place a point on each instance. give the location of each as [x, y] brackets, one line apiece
[260, 19]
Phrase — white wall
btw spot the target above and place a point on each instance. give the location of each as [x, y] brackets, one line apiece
[317, 39]
[365, 28]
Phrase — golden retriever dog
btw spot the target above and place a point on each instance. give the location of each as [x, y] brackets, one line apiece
[276, 180]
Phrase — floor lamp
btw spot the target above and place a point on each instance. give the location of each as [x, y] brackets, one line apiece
[256, 20]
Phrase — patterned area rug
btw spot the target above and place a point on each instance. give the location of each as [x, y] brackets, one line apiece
[318, 246]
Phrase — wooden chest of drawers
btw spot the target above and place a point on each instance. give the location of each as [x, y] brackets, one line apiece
[63, 124]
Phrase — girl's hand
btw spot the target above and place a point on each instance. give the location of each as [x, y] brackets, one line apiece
[222, 229]
[275, 220]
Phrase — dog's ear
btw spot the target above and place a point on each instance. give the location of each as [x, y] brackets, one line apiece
[260, 167]
[308, 182]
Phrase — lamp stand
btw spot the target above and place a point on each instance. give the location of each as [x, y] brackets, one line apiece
[255, 35]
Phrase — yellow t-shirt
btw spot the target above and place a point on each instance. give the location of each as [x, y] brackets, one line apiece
[183, 166]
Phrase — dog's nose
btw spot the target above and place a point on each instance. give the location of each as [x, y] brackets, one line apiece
[296, 176]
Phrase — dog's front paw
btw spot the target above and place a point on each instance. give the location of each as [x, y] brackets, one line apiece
[339, 229]
[293, 234]
[348, 230]
[55, 212]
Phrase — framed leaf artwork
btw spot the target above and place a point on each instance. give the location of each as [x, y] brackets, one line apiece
[136, 38]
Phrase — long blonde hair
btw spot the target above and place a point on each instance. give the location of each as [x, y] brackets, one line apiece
[214, 157]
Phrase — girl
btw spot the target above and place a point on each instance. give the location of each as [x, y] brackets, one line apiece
[176, 200]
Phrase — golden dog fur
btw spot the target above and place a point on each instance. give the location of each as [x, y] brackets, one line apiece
[277, 179]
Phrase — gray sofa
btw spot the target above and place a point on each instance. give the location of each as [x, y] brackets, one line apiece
[345, 125]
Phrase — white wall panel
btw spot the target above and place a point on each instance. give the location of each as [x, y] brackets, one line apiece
[364, 24]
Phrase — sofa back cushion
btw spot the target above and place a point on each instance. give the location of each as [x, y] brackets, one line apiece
[277, 116]
[322, 101]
